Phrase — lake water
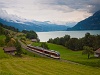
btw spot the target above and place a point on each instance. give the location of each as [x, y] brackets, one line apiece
[45, 36]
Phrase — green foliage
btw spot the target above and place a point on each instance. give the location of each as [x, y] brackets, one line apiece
[8, 38]
[10, 41]
[30, 34]
[44, 45]
[3, 55]
[87, 50]
[2, 40]
[1, 31]
[18, 47]
[72, 44]
[43, 66]
[51, 41]
[88, 40]
[96, 42]
[6, 32]
[25, 31]
[26, 52]
[2, 43]
[65, 39]
[77, 44]
[40, 66]
[23, 39]
[75, 56]
[9, 27]
[60, 41]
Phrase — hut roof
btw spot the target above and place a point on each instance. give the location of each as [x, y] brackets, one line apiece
[9, 49]
[97, 51]
[34, 40]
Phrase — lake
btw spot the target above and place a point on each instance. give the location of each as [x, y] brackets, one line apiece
[45, 36]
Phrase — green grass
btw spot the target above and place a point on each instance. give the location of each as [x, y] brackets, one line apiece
[30, 65]
[4, 55]
[42, 66]
[25, 52]
[2, 38]
[75, 56]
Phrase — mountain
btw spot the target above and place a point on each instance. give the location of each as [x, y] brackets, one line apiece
[24, 24]
[40, 26]
[91, 23]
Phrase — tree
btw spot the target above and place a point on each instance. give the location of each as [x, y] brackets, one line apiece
[78, 43]
[8, 38]
[62, 41]
[6, 32]
[50, 40]
[2, 42]
[31, 34]
[89, 40]
[9, 27]
[25, 31]
[11, 42]
[44, 45]
[1, 30]
[87, 50]
[66, 39]
[56, 41]
[72, 44]
[18, 47]
[96, 43]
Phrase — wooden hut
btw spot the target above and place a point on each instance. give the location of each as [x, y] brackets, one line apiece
[9, 50]
[97, 53]
[34, 40]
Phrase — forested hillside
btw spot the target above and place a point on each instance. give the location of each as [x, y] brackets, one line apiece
[9, 27]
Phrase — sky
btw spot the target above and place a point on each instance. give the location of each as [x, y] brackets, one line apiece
[55, 11]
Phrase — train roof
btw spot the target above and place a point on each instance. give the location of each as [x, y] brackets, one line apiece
[37, 47]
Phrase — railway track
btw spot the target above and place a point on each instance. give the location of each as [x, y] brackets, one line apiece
[50, 53]
[25, 47]
[62, 60]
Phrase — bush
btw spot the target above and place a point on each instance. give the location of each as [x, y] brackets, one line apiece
[44, 45]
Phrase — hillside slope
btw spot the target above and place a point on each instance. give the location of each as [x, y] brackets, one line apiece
[42, 66]
[33, 65]
[91, 23]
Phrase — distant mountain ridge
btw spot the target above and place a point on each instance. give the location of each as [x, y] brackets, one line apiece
[25, 24]
[39, 26]
[91, 23]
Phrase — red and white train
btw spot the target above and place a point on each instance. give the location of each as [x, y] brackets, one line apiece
[50, 53]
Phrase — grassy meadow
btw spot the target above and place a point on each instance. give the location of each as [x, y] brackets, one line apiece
[32, 64]
[3, 55]
[75, 56]
[2, 38]
[28, 65]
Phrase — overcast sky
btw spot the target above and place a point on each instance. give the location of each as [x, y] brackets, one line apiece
[55, 11]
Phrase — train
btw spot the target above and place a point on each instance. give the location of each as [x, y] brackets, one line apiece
[50, 53]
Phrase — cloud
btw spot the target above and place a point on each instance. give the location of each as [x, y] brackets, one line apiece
[55, 11]
[95, 5]
[87, 5]
[10, 17]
